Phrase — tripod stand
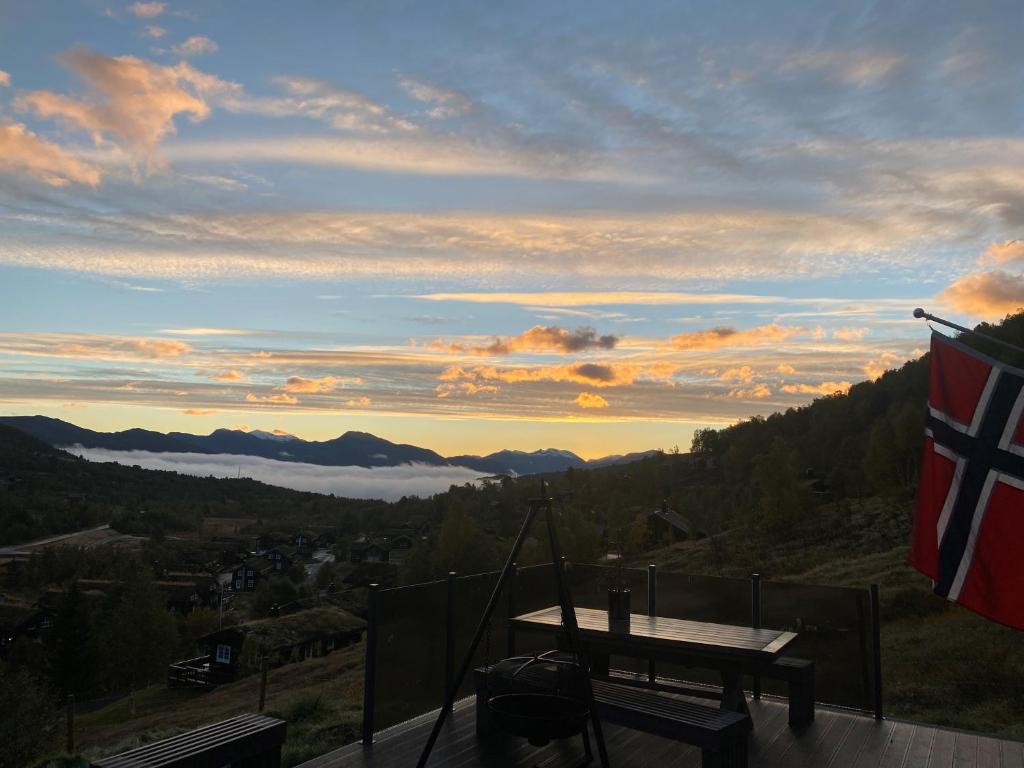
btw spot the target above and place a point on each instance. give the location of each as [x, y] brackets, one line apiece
[572, 631]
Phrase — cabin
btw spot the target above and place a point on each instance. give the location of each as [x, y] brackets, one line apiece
[368, 551]
[666, 526]
[245, 576]
[234, 651]
[303, 540]
[280, 558]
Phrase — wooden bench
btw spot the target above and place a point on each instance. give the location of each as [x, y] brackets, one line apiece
[799, 677]
[721, 736]
[246, 741]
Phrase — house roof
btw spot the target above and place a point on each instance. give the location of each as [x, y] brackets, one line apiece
[296, 628]
[672, 518]
[258, 564]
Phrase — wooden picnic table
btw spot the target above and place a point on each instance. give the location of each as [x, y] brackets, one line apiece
[729, 649]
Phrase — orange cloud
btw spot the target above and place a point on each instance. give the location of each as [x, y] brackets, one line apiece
[1001, 253]
[5, 79]
[744, 373]
[146, 10]
[132, 100]
[539, 338]
[886, 361]
[23, 152]
[724, 336]
[590, 400]
[825, 388]
[592, 374]
[229, 375]
[360, 402]
[850, 334]
[299, 384]
[199, 411]
[154, 32]
[117, 348]
[785, 368]
[986, 294]
[281, 399]
[466, 387]
[757, 392]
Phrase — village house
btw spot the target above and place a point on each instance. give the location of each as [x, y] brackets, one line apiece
[22, 621]
[246, 576]
[390, 545]
[235, 651]
[664, 525]
[279, 557]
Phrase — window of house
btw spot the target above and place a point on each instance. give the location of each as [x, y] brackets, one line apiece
[330, 643]
[223, 654]
[238, 583]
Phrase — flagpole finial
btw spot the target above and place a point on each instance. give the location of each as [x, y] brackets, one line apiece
[919, 313]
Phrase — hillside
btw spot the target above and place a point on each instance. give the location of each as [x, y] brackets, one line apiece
[45, 491]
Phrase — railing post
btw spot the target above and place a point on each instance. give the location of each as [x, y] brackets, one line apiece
[755, 621]
[71, 724]
[510, 643]
[263, 680]
[370, 671]
[652, 607]
[449, 643]
[876, 648]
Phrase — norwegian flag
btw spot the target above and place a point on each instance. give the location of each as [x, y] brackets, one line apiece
[969, 525]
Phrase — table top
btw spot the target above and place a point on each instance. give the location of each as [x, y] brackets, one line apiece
[659, 631]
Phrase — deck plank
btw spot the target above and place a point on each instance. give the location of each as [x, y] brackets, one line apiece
[920, 748]
[835, 739]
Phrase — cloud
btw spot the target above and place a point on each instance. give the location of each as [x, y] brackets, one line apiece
[785, 368]
[279, 399]
[5, 78]
[199, 411]
[299, 384]
[757, 392]
[539, 338]
[341, 108]
[447, 103]
[886, 361]
[986, 294]
[207, 331]
[129, 100]
[93, 346]
[1001, 253]
[851, 67]
[229, 375]
[197, 45]
[590, 400]
[470, 388]
[725, 336]
[744, 373]
[825, 388]
[147, 10]
[850, 334]
[389, 483]
[23, 152]
[611, 374]
[598, 298]
[358, 402]
[154, 32]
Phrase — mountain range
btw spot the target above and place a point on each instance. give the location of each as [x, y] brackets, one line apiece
[350, 449]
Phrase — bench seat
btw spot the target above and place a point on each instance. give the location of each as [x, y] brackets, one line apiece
[799, 677]
[246, 741]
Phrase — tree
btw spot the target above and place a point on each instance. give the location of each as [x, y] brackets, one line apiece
[29, 722]
[782, 498]
[70, 644]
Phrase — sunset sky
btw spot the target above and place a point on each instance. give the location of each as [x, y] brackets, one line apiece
[473, 226]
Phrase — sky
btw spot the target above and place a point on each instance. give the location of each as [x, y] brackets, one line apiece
[474, 226]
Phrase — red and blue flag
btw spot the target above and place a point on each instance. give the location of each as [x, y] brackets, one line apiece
[969, 524]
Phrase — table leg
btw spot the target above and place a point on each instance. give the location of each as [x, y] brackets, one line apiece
[733, 697]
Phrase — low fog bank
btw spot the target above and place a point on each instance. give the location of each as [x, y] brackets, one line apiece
[390, 483]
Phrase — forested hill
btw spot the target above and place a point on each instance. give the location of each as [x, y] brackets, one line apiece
[46, 491]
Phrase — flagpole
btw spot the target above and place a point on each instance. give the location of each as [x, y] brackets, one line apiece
[920, 313]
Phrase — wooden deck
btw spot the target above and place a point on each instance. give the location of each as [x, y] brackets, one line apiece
[835, 740]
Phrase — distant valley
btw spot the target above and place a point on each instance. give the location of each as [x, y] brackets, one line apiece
[352, 449]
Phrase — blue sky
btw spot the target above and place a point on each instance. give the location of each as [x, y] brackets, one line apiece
[471, 226]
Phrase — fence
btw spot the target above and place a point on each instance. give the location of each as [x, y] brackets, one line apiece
[418, 634]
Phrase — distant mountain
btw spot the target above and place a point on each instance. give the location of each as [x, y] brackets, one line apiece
[350, 449]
